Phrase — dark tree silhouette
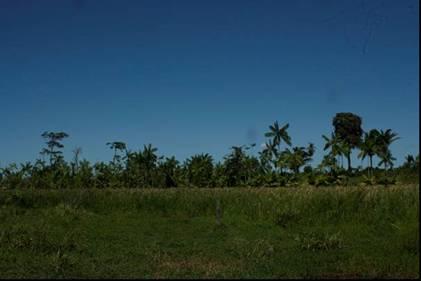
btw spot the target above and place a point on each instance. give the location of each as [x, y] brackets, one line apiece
[117, 146]
[369, 147]
[53, 143]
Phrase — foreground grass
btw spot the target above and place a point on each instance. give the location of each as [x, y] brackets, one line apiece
[265, 233]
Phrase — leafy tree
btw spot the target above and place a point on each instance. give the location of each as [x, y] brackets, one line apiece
[252, 170]
[348, 129]
[235, 165]
[199, 170]
[141, 167]
[219, 176]
[12, 176]
[298, 157]
[53, 143]
[330, 162]
[282, 162]
[117, 146]
[150, 162]
[104, 176]
[265, 160]
[171, 170]
[85, 175]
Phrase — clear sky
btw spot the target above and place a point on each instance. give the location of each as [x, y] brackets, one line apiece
[201, 76]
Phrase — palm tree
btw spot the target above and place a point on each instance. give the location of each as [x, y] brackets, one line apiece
[270, 153]
[282, 160]
[310, 152]
[279, 134]
[335, 145]
[386, 159]
[345, 150]
[170, 167]
[199, 170]
[265, 158]
[298, 157]
[329, 161]
[409, 161]
[295, 158]
[384, 140]
[150, 159]
[368, 147]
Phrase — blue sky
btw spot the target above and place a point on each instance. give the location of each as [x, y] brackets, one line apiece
[202, 76]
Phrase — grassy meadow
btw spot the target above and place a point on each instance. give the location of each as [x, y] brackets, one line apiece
[307, 232]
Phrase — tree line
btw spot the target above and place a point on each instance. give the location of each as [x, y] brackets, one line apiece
[279, 163]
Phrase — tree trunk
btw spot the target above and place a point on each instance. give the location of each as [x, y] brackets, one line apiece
[371, 165]
[348, 157]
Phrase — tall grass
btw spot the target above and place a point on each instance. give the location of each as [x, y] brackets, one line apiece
[268, 232]
[340, 203]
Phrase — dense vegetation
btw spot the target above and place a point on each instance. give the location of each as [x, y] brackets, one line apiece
[278, 164]
[126, 219]
[329, 232]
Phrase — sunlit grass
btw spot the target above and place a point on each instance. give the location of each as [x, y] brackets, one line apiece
[154, 233]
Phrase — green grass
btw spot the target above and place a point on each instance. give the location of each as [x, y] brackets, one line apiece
[349, 232]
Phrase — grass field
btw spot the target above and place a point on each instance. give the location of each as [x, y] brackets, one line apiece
[370, 232]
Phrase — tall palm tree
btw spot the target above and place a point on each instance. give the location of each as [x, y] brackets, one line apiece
[345, 149]
[335, 145]
[386, 159]
[270, 153]
[384, 140]
[279, 134]
[368, 147]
